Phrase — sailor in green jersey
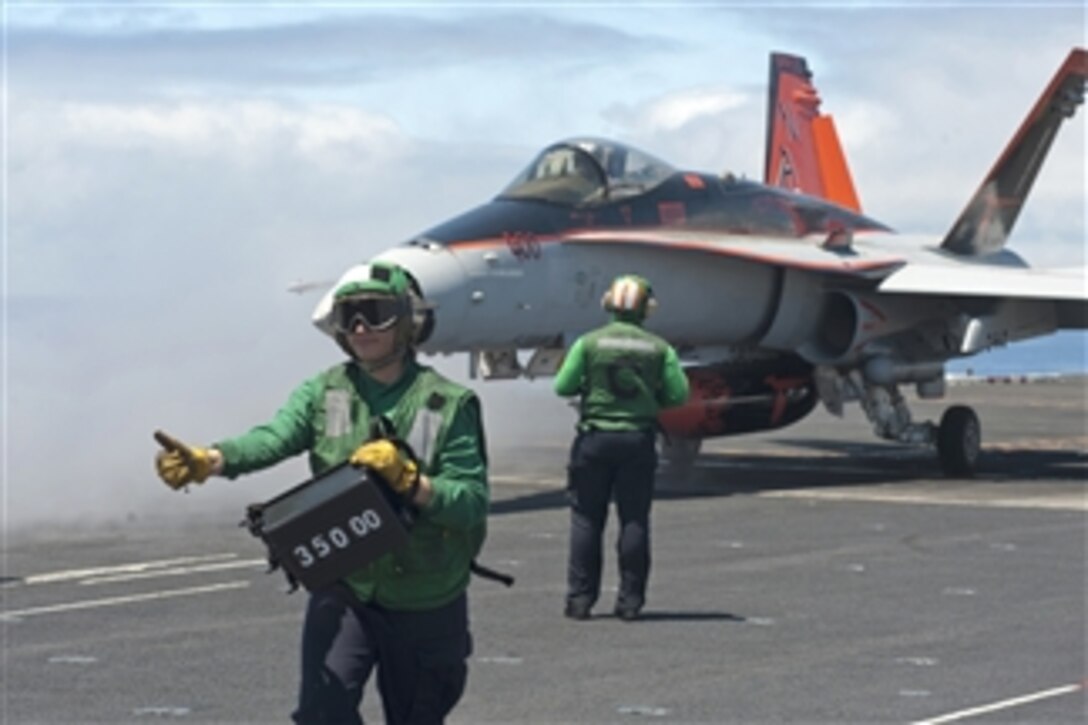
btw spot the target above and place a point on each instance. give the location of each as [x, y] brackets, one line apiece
[624, 376]
[407, 612]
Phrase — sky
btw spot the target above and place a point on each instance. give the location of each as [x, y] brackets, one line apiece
[169, 168]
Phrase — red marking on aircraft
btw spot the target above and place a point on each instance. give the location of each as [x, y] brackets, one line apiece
[671, 212]
[781, 386]
[694, 181]
[653, 236]
[584, 217]
[875, 312]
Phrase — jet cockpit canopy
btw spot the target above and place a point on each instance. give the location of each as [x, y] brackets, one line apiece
[582, 171]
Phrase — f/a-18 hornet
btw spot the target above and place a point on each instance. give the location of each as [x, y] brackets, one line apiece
[778, 295]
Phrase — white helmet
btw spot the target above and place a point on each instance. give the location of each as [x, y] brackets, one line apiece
[630, 294]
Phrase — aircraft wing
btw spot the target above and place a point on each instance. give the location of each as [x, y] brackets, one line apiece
[799, 253]
[988, 281]
[1065, 288]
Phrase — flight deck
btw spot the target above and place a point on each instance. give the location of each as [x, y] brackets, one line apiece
[805, 575]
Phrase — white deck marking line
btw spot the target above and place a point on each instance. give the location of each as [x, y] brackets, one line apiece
[1073, 502]
[177, 571]
[59, 576]
[1003, 705]
[114, 601]
[844, 467]
[1065, 503]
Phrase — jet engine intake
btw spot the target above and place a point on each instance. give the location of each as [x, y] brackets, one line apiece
[839, 327]
[847, 321]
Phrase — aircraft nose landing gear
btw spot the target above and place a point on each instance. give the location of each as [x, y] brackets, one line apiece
[677, 455]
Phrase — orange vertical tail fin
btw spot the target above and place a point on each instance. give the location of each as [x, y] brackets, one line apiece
[803, 151]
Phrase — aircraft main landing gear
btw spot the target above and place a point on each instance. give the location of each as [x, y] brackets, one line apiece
[959, 441]
[958, 438]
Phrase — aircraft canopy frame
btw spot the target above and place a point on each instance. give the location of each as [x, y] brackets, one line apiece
[587, 171]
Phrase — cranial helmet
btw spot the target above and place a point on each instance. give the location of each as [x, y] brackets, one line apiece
[629, 296]
[382, 278]
[382, 296]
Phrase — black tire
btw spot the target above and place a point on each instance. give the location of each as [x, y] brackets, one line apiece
[959, 442]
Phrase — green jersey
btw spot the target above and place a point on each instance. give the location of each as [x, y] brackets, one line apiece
[624, 374]
[329, 415]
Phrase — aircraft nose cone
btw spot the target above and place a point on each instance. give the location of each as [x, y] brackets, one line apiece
[444, 284]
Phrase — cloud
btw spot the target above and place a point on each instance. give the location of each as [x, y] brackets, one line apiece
[300, 50]
[318, 132]
[101, 181]
[673, 111]
[676, 111]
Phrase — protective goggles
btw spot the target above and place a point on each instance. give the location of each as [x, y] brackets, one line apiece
[374, 313]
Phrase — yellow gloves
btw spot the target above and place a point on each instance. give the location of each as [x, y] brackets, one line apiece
[384, 458]
[179, 465]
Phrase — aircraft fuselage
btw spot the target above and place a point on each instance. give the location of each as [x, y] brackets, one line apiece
[524, 270]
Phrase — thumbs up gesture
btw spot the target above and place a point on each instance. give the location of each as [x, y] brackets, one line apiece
[179, 465]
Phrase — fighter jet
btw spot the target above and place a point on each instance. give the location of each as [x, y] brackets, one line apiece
[778, 295]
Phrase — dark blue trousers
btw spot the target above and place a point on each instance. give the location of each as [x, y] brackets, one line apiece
[420, 658]
[606, 466]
